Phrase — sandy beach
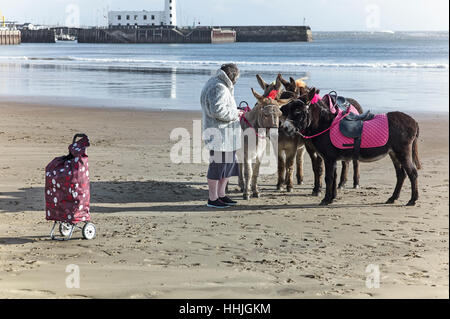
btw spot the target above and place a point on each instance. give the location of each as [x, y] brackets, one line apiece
[156, 238]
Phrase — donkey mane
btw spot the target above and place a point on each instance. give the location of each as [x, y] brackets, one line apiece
[320, 113]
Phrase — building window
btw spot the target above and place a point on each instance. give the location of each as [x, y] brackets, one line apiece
[171, 15]
[128, 17]
[119, 17]
[135, 17]
[153, 17]
[145, 17]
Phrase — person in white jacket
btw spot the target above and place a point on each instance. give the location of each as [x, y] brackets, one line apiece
[221, 132]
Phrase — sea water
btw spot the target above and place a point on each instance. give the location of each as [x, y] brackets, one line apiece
[407, 71]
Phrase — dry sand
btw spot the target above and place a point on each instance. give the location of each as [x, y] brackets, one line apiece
[156, 239]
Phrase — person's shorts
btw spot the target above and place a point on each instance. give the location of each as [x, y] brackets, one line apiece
[222, 165]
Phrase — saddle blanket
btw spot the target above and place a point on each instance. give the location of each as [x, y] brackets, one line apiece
[375, 133]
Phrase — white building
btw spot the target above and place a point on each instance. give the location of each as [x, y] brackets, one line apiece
[168, 17]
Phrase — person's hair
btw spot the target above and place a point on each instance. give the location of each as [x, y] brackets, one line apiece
[231, 70]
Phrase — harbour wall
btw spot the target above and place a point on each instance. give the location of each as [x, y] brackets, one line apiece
[38, 36]
[9, 37]
[196, 35]
[271, 33]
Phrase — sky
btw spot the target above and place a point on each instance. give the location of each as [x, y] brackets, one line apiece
[321, 15]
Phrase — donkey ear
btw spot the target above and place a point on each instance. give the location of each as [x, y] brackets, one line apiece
[283, 81]
[261, 82]
[278, 85]
[283, 102]
[312, 92]
[257, 96]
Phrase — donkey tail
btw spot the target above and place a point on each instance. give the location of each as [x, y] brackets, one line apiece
[415, 151]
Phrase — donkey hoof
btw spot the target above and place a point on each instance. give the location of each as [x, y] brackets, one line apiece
[326, 202]
[391, 200]
[289, 189]
[256, 195]
[356, 186]
[341, 187]
[316, 193]
[279, 187]
[300, 182]
[411, 203]
[246, 197]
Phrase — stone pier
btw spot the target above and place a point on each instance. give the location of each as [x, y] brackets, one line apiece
[9, 37]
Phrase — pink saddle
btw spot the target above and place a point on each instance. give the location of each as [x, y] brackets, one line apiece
[375, 133]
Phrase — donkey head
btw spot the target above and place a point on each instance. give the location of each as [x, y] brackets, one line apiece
[298, 87]
[268, 111]
[268, 88]
[296, 117]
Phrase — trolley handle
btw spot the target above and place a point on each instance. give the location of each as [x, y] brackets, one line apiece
[78, 135]
[243, 105]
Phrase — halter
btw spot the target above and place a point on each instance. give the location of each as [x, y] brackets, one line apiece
[247, 109]
[273, 94]
[333, 124]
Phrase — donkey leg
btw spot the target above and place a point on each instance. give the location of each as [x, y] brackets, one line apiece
[317, 166]
[356, 174]
[330, 180]
[344, 173]
[300, 158]
[241, 177]
[255, 190]
[401, 175]
[247, 179]
[281, 170]
[411, 170]
[290, 157]
[334, 188]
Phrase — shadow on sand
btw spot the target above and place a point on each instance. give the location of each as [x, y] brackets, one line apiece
[169, 197]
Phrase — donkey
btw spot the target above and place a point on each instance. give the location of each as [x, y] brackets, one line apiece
[300, 87]
[317, 121]
[288, 147]
[256, 124]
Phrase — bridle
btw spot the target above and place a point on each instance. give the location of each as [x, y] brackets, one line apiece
[247, 109]
[333, 124]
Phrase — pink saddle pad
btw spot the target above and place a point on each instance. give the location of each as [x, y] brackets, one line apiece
[375, 133]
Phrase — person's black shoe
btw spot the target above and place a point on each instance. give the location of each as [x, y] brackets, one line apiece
[228, 201]
[217, 204]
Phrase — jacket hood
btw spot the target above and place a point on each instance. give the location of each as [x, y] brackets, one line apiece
[224, 78]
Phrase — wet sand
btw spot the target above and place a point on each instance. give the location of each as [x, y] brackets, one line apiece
[156, 239]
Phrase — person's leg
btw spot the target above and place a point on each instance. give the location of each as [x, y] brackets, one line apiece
[213, 186]
[222, 185]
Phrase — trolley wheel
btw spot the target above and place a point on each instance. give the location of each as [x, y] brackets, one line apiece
[89, 231]
[65, 229]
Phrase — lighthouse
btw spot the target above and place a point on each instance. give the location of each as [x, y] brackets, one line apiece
[171, 12]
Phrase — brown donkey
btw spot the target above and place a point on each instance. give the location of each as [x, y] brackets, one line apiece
[255, 125]
[301, 88]
[316, 121]
[288, 147]
[294, 146]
